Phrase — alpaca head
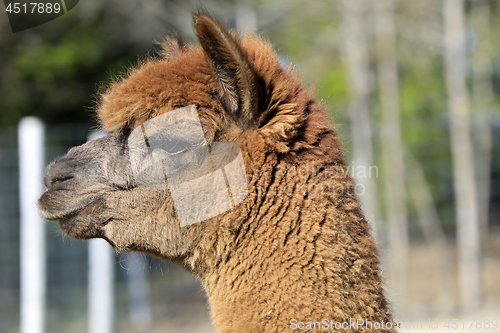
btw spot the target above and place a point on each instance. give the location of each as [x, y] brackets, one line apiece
[292, 243]
[240, 93]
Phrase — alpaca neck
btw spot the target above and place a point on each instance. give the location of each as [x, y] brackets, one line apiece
[306, 265]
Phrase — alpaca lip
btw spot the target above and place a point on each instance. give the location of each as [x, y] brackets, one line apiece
[63, 219]
[60, 216]
[60, 205]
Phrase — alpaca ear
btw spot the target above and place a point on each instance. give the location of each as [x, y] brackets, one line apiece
[240, 88]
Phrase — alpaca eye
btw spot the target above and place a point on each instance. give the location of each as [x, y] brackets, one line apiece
[170, 145]
[174, 147]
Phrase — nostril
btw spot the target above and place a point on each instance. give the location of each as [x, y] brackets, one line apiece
[57, 173]
[57, 180]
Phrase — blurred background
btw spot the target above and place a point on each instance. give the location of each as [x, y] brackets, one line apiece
[413, 88]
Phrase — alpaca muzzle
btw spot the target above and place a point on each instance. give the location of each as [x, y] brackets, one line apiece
[69, 189]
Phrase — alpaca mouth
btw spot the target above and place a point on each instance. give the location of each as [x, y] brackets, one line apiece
[58, 205]
[73, 212]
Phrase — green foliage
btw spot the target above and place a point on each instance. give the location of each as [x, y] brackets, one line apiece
[52, 71]
[49, 63]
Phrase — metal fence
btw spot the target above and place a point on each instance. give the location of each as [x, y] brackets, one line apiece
[171, 300]
[170, 297]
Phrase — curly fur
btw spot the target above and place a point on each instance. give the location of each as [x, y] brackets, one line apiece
[298, 247]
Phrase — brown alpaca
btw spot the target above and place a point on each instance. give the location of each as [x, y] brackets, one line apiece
[296, 253]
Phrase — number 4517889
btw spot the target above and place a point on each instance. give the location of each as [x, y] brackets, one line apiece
[471, 324]
[33, 8]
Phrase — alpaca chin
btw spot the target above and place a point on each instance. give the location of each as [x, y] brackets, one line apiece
[73, 215]
[78, 228]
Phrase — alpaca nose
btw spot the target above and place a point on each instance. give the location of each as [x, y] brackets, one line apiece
[57, 173]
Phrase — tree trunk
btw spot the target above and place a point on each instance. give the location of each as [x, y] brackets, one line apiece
[355, 56]
[483, 99]
[392, 147]
[463, 161]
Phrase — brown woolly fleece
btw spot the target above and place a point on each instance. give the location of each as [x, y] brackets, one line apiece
[297, 253]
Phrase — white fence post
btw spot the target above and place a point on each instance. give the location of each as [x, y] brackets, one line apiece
[31, 137]
[138, 290]
[101, 280]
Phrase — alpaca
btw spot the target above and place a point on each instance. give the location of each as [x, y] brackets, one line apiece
[295, 253]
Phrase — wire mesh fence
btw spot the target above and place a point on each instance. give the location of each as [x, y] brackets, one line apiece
[175, 300]
[173, 295]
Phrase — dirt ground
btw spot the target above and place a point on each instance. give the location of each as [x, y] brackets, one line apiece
[433, 295]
